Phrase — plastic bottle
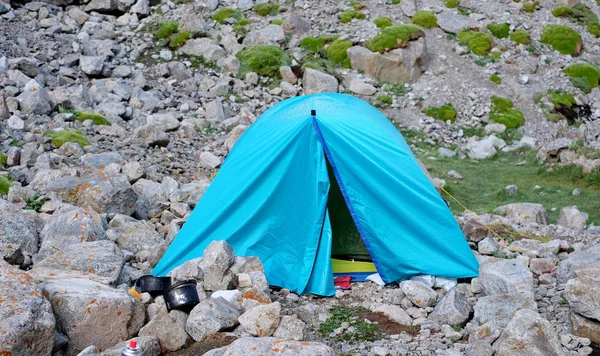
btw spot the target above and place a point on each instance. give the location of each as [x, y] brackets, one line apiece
[132, 349]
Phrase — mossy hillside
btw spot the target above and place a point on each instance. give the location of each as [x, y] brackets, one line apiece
[266, 9]
[264, 60]
[446, 112]
[349, 15]
[336, 52]
[225, 13]
[504, 112]
[5, 185]
[520, 37]
[584, 76]
[383, 22]
[425, 19]
[315, 44]
[59, 138]
[397, 36]
[563, 39]
[478, 42]
[496, 79]
[499, 30]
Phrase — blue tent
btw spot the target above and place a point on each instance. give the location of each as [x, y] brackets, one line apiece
[270, 198]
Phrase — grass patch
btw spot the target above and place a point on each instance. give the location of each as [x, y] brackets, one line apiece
[504, 113]
[446, 112]
[451, 4]
[315, 44]
[349, 15]
[584, 76]
[392, 37]
[59, 138]
[529, 7]
[425, 19]
[562, 11]
[383, 22]
[277, 22]
[166, 29]
[225, 13]
[499, 30]
[336, 52]
[398, 89]
[563, 39]
[479, 43]
[266, 9]
[82, 116]
[383, 100]
[361, 330]
[5, 185]
[3, 159]
[264, 60]
[521, 37]
[35, 202]
[395, 2]
[496, 79]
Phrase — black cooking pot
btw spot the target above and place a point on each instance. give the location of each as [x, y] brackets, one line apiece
[153, 285]
[182, 296]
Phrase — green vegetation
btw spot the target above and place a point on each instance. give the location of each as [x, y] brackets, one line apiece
[562, 11]
[425, 19]
[336, 52]
[264, 60]
[197, 61]
[451, 4]
[383, 100]
[563, 39]
[240, 25]
[446, 112]
[560, 100]
[529, 7]
[82, 116]
[277, 22]
[315, 44]
[383, 22]
[398, 89]
[167, 33]
[15, 143]
[393, 37]
[35, 202]
[594, 28]
[580, 14]
[347, 16]
[225, 13]
[504, 113]
[584, 76]
[559, 97]
[166, 29]
[395, 2]
[496, 79]
[3, 159]
[266, 9]
[5, 185]
[59, 138]
[361, 330]
[355, 5]
[499, 30]
[521, 37]
[179, 39]
[479, 43]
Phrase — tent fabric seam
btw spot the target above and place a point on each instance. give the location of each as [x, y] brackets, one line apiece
[346, 196]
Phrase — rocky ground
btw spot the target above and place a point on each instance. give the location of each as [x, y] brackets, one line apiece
[116, 114]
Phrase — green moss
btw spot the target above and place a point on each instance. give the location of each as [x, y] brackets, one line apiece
[266, 9]
[529, 7]
[499, 30]
[444, 113]
[59, 138]
[224, 13]
[425, 19]
[166, 29]
[82, 116]
[583, 15]
[336, 52]
[504, 113]
[584, 76]
[561, 98]
[383, 100]
[393, 37]
[594, 28]
[179, 39]
[395, 2]
[496, 79]
[478, 42]
[264, 60]
[347, 16]
[3, 159]
[315, 44]
[277, 22]
[563, 39]
[521, 37]
[451, 4]
[5, 185]
[355, 5]
[562, 11]
[383, 22]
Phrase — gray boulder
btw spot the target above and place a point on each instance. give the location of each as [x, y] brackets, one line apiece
[35, 99]
[18, 231]
[192, 21]
[150, 197]
[270, 346]
[217, 258]
[252, 267]
[584, 327]
[583, 292]
[571, 217]
[418, 293]
[101, 160]
[141, 7]
[452, 22]
[528, 334]
[100, 261]
[191, 269]
[408, 7]
[319, 82]
[394, 313]
[268, 35]
[290, 328]
[153, 136]
[261, 320]
[453, 309]
[133, 235]
[91, 65]
[295, 24]
[210, 316]
[166, 121]
[26, 319]
[568, 266]
[148, 344]
[102, 5]
[500, 276]
[497, 310]
[204, 47]
[209, 160]
[357, 86]
[91, 313]
[484, 148]
[171, 334]
[524, 213]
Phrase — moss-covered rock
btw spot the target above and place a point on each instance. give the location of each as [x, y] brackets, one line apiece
[96, 119]
[266, 9]
[336, 52]
[347, 16]
[562, 11]
[563, 39]
[264, 60]
[504, 112]
[499, 30]
[315, 44]
[584, 76]
[5, 185]
[3, 159]
[529, 7]
[446, 112]
[166, 29]
[521, 37]
[478, 42]
[383, 22]
[496, 79]
[451, 4]
[425, 19]
[226, 12]
[392, 37]
[59, 138]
